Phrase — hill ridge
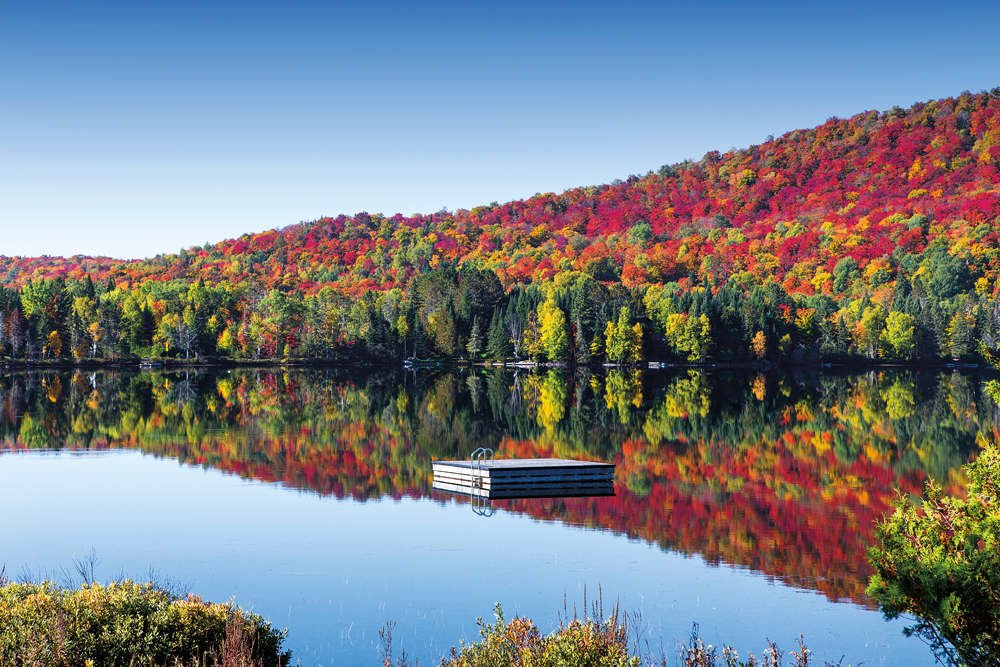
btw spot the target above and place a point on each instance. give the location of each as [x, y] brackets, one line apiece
[761, 173]
[898, 210]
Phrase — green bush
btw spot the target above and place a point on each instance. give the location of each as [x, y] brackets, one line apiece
[993, 390]
[128, 623]
[940, 562]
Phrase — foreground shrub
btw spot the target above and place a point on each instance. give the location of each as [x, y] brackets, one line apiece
[587, 642]
[940, 562]
[127, 623]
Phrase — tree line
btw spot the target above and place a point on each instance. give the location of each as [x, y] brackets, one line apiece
[926, 311]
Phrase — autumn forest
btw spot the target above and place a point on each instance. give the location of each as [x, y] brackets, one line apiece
[873, 238]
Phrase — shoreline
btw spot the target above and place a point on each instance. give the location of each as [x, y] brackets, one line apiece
[151, 365]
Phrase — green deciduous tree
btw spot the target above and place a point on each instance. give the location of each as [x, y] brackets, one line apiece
[992, 389]
[868, 329]
[88, 321]
[899, 336]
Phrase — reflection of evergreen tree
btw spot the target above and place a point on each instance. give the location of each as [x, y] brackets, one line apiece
[722, 462]
[921, 421]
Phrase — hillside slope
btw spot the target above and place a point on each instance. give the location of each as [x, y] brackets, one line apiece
[840, 226]
[788, 209]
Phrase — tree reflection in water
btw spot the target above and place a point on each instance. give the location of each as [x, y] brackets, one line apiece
[781, 474]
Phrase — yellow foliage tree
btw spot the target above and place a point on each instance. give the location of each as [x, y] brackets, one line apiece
[553, 338]
[759, 345]
[53, 345]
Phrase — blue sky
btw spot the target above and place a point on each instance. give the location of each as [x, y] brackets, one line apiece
[130, 130]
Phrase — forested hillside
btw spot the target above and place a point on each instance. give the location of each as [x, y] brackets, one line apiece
[873, 237]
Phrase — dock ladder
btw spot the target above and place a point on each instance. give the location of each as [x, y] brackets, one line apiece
[481, 505]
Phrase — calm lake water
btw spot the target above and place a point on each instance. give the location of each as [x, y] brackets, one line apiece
[744, 503]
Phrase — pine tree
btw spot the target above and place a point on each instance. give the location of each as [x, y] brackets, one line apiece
[475, 344]
[582, 350]
[960, 334]
[497, 340]
[148, 326]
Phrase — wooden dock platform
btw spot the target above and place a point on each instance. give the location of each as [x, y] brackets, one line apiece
[524, 478]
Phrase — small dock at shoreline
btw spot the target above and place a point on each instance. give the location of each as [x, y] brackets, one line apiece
[524, 478]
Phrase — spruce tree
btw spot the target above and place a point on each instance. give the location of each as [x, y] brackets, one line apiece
[475, 344]
[582, 350]
[497, 338]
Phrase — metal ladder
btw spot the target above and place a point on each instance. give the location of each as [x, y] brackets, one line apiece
[481, 505]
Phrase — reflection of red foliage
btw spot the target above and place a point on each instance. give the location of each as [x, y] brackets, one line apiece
[789, 509]
[806, 521]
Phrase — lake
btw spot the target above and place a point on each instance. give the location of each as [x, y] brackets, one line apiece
[743, 502]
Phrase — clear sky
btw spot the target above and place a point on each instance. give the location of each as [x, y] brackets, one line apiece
[129, 130]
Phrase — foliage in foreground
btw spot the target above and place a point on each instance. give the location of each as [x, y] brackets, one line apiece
[699, 654]
[128, 623]
[587, 642]
[940, 561]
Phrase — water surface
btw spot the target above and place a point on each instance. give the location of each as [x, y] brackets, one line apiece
[744, 503]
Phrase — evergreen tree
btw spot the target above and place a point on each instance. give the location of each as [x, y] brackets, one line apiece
[960, 334]
[148, 326]
[475, 344]
[581, 349]
[497, 340]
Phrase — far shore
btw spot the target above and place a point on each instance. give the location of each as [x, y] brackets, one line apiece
[169, 364]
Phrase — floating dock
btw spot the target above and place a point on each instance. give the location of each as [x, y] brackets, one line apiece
[483, 477]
